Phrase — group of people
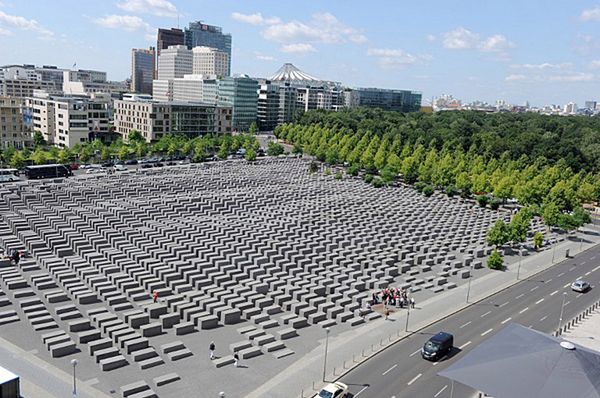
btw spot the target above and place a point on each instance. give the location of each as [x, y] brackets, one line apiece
[393, 297]
[211, 349]
[15, 256]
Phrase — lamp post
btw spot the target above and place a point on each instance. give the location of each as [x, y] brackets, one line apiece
[326, 347]
[554, 250]
[407, 316]
[520, 258]
[469, 284]
[74, 363]
[562, 307]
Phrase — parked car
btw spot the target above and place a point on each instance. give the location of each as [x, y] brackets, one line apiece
[146, 165]
[158, 164]
[131, 162]
[95, 170]
[580, 286]
[119, 167]
[85, 166]
[437, 346]
[74, 166]
[108, 164]
[333, 390]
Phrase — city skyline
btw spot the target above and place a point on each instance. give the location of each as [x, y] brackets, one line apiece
[537, 52]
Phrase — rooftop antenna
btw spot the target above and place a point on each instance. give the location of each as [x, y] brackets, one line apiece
[177, 20]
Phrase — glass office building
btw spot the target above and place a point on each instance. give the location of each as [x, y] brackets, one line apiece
[390, 100]
[142, 70]
[240, 93]
[201, 34]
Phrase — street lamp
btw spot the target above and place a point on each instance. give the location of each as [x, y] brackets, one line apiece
[407, 316]
[520, 258]
[562, 307]
[326, 347]
[74, 363]
[470, 277]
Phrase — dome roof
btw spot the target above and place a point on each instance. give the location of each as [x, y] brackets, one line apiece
[289, 72]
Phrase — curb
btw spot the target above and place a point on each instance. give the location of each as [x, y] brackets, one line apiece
[411, 333]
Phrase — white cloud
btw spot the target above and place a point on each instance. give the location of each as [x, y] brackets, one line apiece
[255, 19]
[321, 28]
[514, 78]
[430, 38]
[573, 78]
[464, 39]
[263, 57]
[543, 66]
[5, 32]
[593, 14]
[161, 8]
[395, 58]
[125, 22]
[595, 64]
[18, 22]
[298, 48]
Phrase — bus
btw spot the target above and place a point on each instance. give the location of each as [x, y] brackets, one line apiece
[47, 171]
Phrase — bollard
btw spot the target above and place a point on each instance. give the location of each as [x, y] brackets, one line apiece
[353, 360]
[334, 371]
[372, 347]
[381, 342]
[302, 393]
[344, 364]
[313, 385]
[391, 337]
[363, 352]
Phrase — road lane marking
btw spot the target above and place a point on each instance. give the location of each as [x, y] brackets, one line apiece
[464, 345]
[523, 310]
[534, 288]
[502, 305]
[593, 258]
[583, 262]
[486, 332]
[567, 285]
[549, 280]
[579, 295]
[587, 273]
[595, 269]
[542, 320]
[539, 301]
[572, 268]
[561, 274]
[415, 378]
[554, 292]
[506, 320]
[567, 303]
[415, 353]
[389, 370]
[441, 391]
[519, 296]
[465, 325]
[363, 389]
[487, 313]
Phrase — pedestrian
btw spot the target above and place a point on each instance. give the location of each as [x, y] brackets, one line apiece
[236, 359]
[412, 302]
[387, 313]
[211, 348]
[155, 296]
[16, 257]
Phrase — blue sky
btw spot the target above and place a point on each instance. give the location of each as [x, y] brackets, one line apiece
[541, 51]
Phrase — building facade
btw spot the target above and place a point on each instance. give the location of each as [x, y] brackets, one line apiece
[15, 129]
[167, 38]
[195, 88]
[174, 62]
[22, 88]
[267, 113]
[201, 34]
[154, 119]
[389, 100]
[241, 94]
[210, 61]
[65, 121]
[142, 70]
[162, 90]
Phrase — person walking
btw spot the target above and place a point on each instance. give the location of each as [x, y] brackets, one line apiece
[387, 313]
[211, 348]
[155, 296]
[236, 359]
[412, 303]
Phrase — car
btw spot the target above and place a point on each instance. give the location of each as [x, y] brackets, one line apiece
[119, 167]
[158, 164]
[333, 390]
[580, 286]
[95, 170]
[74, 166]
[146, 165]
[108, 164]
[131, 162]
[437, 346]
[85, 166]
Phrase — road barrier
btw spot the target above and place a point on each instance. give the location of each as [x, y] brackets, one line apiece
[577, 319]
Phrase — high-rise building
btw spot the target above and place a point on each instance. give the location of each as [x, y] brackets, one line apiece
[590, 105]
[267, 114]
[201, 34]
[142, 70]
[69, 120]
[175, 61]
[85, 82]
[162, 90]
[390, 100]
[195, 88]
[153, 119]
[210, 61]
[15, 129]
[241, 94]
[287, 103]
[167, 38]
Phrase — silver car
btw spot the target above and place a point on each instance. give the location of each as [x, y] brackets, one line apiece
[580, 286]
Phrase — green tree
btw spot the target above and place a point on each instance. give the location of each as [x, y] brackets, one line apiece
[551, 214]
[410, 169]
[38, 138]
[313, 167]
[495, 260]
[394, 163]
[353, 170]
[84, 155]
[140, 149]
[519, 226]
[563, 196]
[199, 152]
[428, 190]
[135, 136]
[172, 149]
[250, 155]
[538, 240]
[253, 128]
[63, 156]
[105, 154]
[482, 200]
[377, 182]
[123, 152]
[223, 150]
[39, 156]
[297, 149]
[17, 161]
[339, 175]
[499, 234]
[274, 149]
[503, 188]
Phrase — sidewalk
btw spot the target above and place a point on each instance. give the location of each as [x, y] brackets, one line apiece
[353, 347]
[38, 378]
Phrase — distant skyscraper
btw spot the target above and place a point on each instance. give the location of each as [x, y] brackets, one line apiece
[166, 38]
[210, 61]
[590, 105]
[175, 61]
[201, 34]
[142, 70]
[240, 93]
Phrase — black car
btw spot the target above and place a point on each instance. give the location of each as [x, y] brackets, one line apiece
[146, 165]
[158, 164]
[108, 164]
[437, 346]
[131, 162]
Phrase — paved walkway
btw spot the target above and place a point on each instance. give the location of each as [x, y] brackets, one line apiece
[350, 348]
[38, 378]
[587, 332]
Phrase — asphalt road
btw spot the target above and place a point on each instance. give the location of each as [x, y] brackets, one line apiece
[399, 371]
